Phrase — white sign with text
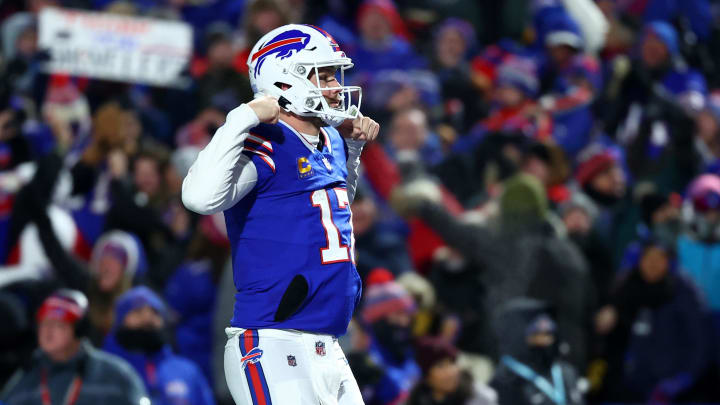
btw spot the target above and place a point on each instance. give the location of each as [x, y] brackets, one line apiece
[114, 47]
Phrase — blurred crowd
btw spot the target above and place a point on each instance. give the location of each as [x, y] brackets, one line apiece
[539, 222]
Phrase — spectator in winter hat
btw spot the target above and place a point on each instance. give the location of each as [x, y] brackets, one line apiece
[118, 259]
[523, 203]
[520, 74]
[139, 336]
[454, 42]
[529, 344]
[660, 54]
[562, 37]
[601, 177]
[66, 367]
[443, 382]
[64, 102]
[387, 310]
[574, 79]
[514, 109]
[650, 304]
[698, 246]
[383, 44]
[652, 112]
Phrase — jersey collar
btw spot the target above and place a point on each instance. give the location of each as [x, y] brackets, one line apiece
[305, 142]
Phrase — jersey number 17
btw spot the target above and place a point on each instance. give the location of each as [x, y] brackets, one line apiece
[335, 251]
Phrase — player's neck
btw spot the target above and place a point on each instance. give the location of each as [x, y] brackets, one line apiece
[304, 125]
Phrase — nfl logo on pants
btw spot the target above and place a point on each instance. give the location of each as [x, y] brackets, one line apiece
[320, 348]
[291, 361]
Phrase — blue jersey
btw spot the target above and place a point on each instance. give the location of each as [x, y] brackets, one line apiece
[294, 223]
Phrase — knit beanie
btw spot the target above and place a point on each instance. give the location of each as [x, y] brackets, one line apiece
[523, 201]
[431, 351]
[384, 298]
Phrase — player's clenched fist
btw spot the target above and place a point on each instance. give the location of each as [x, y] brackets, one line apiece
[266, 108]
[363, 129]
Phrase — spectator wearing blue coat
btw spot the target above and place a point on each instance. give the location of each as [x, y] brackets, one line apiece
[656, 331]
[138, 336]
[572, 80]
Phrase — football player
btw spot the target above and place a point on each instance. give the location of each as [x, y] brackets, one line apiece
[283, 169]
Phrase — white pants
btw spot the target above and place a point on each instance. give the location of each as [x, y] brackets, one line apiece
[287, 367]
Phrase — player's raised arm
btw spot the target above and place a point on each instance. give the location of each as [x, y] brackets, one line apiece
[221, 174]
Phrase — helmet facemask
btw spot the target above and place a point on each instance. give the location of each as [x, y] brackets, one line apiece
[307, 99]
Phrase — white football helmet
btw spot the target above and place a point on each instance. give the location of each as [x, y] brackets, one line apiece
[290, 55]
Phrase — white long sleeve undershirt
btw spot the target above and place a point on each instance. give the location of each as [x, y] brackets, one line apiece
[222, 175]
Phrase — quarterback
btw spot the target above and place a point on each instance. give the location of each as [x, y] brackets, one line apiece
[283, 169]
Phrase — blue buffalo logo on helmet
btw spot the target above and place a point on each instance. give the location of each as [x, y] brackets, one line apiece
[282, 46]
[253, 356]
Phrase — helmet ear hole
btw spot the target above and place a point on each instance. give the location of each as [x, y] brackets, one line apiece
[282, 86]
